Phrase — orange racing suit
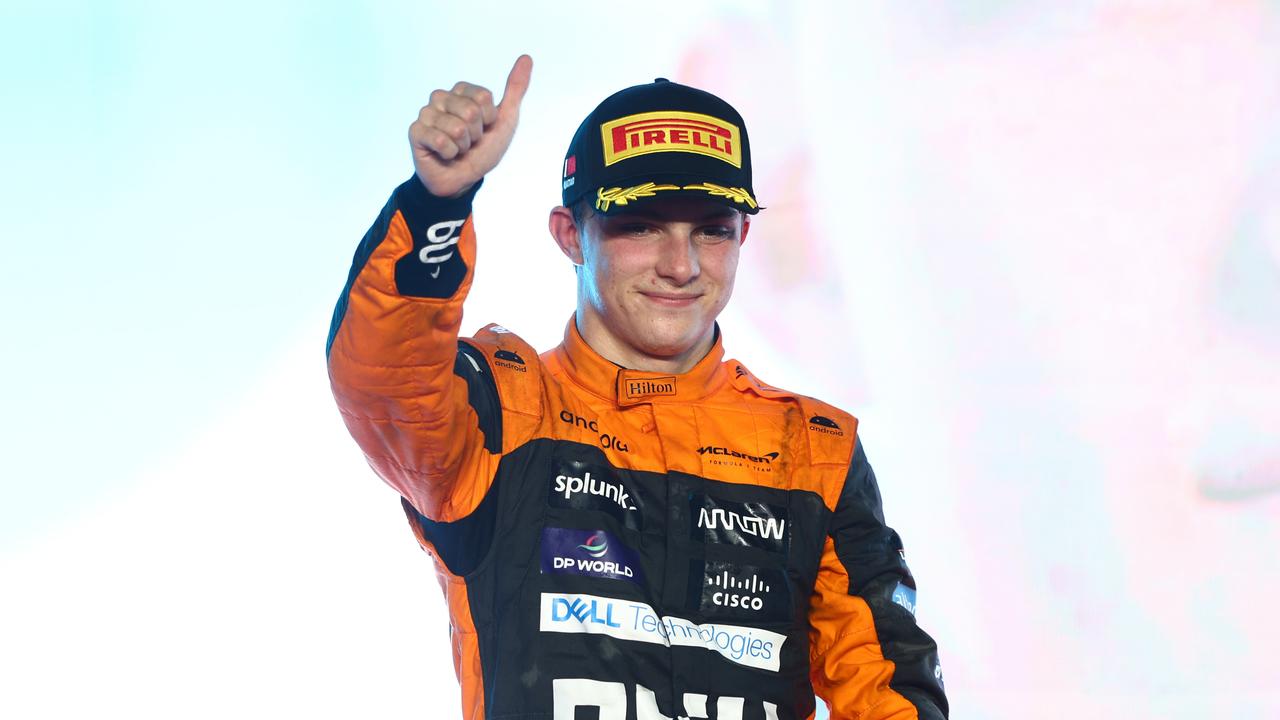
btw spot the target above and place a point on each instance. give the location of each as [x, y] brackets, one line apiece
[630, 544]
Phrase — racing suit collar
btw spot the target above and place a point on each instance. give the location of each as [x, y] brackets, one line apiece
[634, 387]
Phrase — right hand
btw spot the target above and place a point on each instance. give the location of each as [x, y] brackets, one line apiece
[461, 135]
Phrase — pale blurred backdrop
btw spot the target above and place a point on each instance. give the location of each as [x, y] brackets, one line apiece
[1034, 246]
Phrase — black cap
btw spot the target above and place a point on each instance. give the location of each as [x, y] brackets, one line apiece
[658, 140]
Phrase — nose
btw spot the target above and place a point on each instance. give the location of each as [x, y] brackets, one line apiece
[678, 257]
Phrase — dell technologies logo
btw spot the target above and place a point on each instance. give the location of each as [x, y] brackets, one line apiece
[584, 609]
[637, 622]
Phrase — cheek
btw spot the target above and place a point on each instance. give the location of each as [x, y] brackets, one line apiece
[723, 264]
[608, 274]
[614, 270]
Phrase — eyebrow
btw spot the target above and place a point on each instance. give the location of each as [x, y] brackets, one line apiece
[650, 214]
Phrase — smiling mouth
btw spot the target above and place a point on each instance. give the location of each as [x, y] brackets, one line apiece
[674, 300]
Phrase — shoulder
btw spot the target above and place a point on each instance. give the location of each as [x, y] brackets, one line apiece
[832, 433]
[503, 348]
[512, 363]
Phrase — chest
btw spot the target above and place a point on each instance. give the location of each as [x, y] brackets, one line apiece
[709, 511]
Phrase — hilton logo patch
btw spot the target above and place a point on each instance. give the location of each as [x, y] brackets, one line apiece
[633, 387]
[671, 131]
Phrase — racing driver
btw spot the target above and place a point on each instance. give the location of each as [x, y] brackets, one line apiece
[627, 526]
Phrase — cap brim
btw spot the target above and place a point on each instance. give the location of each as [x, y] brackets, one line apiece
[630, 193]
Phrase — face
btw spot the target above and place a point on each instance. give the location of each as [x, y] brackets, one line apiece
[652, 280]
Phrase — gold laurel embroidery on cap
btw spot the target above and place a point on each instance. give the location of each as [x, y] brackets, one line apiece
[622, 196]
[738, 195]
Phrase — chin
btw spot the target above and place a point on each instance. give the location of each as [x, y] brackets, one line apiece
[671, 343]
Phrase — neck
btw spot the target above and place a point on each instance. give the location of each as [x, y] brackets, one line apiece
[598, 337]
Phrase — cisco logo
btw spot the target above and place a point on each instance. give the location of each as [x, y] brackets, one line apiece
[732, 592]
[751, 592]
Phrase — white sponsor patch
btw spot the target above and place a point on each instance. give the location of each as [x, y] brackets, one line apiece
[629, 620]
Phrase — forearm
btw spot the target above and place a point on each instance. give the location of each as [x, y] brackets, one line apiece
[871, 659]
[393, 340]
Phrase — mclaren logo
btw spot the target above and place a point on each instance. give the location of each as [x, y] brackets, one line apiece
[765, 459]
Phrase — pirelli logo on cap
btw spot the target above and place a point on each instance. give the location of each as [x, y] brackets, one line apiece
[671, 131]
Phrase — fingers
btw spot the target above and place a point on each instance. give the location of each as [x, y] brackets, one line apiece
[481, 96]
[456, 119]
[464, 134]
[433, 140]
[470, 112]
[517, 85]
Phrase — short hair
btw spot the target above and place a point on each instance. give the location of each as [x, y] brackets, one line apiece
[581, 211]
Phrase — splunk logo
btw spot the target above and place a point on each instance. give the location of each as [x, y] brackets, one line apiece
[758, 525]
[593, 553]
[587, 485]
[637, 622]
[580, 486]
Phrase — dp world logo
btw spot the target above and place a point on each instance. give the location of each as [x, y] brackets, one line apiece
[594, 553]
[597, 546]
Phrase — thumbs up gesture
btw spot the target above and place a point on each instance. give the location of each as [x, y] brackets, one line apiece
[461, 135]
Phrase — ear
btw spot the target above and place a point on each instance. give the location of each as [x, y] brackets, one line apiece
[746, 225]
[565, 233]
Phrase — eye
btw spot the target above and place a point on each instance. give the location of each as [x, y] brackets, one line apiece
[715, 233]
[632, 228]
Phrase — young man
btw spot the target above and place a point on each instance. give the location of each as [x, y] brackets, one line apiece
[627, 525]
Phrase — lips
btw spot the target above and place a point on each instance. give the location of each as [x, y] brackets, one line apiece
[671, 299]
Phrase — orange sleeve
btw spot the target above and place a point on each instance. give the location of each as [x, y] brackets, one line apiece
[392, 350]
[869, 660]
